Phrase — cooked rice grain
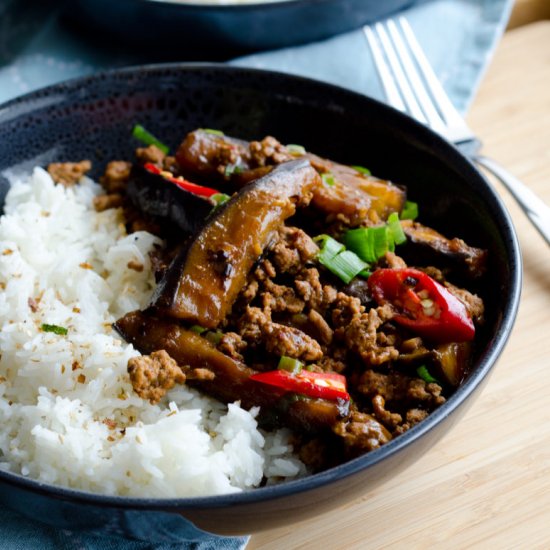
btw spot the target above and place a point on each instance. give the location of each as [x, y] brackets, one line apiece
[67, 410]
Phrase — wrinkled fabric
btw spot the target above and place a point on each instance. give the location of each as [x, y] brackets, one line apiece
[36, 49]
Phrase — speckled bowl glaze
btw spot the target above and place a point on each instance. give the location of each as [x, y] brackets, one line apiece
[218, 31]
[93, 117]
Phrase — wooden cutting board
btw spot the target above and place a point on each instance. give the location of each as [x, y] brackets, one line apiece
[487, 482]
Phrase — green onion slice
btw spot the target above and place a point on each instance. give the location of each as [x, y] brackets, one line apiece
[343, 263]
[231, 169]
[56, 329]
[361, 241]
[424, 373]
[346, 265]
[396, 231]
[197, 329]
[141, 134]
[296, 149]
[328, 179]
[214, 336]
[290, 365]
[410, 211]
[371, 243]
[213, 132]
[219, 198]
[361, 169]
[329, 247]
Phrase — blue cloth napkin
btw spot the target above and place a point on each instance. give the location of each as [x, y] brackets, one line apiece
[36, 50]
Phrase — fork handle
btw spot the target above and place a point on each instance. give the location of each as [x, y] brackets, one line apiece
[536, 210]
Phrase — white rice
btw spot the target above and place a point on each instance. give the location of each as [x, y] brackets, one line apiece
[67, 409]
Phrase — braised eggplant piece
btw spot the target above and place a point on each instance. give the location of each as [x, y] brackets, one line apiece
[206, 154]
[448, 362]
[451, 362]
[165, 201]
[427, 246]
[359, 197]
[374, 199]
[203, 282]
[231, 380]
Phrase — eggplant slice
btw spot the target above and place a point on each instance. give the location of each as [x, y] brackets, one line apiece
[204, 280]
[231, 162]
[162, 200]
[231, 380]
[425, 246]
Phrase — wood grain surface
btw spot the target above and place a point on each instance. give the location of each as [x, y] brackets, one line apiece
[486, 484]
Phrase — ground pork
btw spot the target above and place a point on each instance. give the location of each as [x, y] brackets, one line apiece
[396, 387]
[257, 328]
[153, 375]
[150, 154]
[361, 433]
[233, 345]
[361, 336]
[280, 298]
[293, 249]
[316, 295]
[345, 309]
[322, 328]
[389, 419]
[474, 304]
[116, 176]
[104, 202]
[69, 173]
[267, 152]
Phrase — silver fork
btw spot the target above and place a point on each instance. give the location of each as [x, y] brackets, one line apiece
[411, 86]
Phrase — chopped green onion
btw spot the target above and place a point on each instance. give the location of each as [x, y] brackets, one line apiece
[362, 170]
[424, 373]
[197, 329]
[345, 265]
[328, 179]
[329, 246]
[295, 149]
[290, 365]
[361, 241]
[214, 337]
[141, 134]
[56, 329]
[365, 273]
[382, 241]
[213, 132]
[395, 228]
[231, 169]
[410, 211]
[219, 198]
[372, 243]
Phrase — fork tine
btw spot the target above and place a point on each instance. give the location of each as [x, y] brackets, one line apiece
[390, 89]
[448, 111]
[431, 114]
[403, 84]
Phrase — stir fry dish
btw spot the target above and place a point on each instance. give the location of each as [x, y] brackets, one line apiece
[296, 284]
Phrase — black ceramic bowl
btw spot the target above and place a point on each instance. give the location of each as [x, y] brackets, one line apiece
[220, 31]
[93, 118]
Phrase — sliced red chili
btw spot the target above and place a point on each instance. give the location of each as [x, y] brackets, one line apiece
[180, 182]
[424, 306]
[327, 385]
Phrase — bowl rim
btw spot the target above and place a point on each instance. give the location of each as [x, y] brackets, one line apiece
[232, 5]
[486, 362]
